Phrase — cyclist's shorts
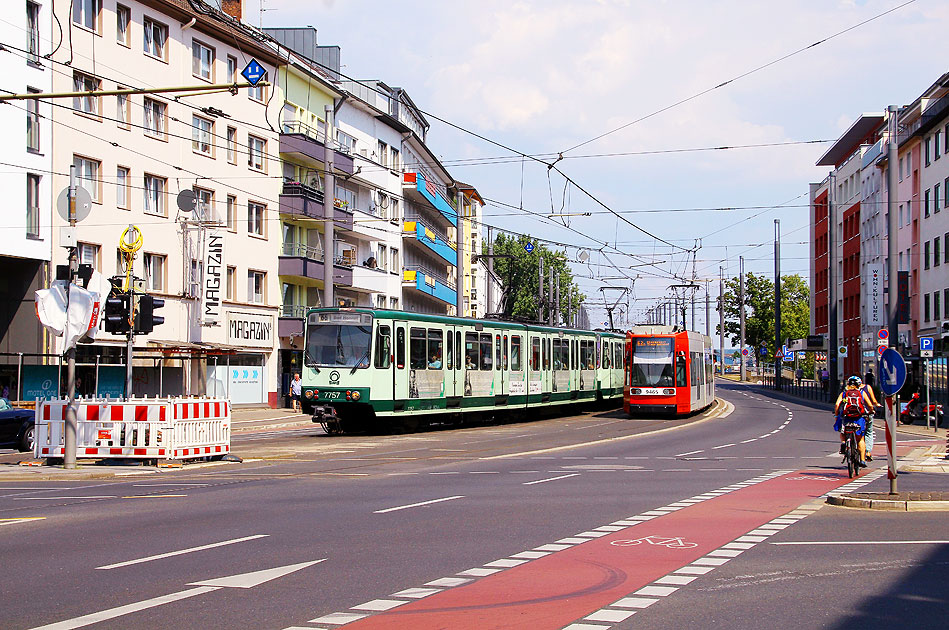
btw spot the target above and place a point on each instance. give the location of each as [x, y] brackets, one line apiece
[860, 422]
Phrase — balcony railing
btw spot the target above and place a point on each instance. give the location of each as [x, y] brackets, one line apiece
[299, 189]
[448, 281]
[429, 224]
[301, 250]
[293, 310]
[301, 128]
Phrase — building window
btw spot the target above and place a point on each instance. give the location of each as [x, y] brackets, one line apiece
[394, 303]
[936, 306]
[926, 146]
[381, 257]
[33, 122]
[202, 134]
[256, 216]
[85, 13]
[155, 272]
[937, 253]
[33, 31]
[936, 200]
[937, 139]
[256, 286]
[32, 205]
[123, 18]
[394, 214]
[123, 112]
[154, 118]
[345, 198]
[231, 69]
[88, 173]
[88, 254]
[383, 152]
[259, 93]
[122, 187]
[231, 219]
[256, 151]
[156, 35]
[394, 257]
[394, 158]
[85, 83]
[926, 316]
[204, 204]
[926, 255]
[926, 203]
[202, 61]
[945, 303]
[232, 145]
[155, 194]
[901, 169]
[230, 291]
[380, 301]
[347, 143]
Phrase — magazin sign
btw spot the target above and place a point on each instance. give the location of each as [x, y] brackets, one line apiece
[874, 295]
[250, 329]
[213, 278]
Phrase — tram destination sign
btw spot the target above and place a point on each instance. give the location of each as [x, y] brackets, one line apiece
[250, 329]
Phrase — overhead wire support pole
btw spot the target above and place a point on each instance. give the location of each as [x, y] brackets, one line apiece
[892, 279]
[779, 361]
[70, 428]
[329, 210]
[741, 316]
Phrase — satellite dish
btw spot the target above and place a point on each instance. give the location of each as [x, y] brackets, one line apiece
[187, 201]
[583, 256]
[83, 204]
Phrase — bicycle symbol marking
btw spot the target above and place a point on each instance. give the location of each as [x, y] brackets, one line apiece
[811, 479]
[674, 542]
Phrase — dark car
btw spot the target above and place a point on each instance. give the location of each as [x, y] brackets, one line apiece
[16, 427]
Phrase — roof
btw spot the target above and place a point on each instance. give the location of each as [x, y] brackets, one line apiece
[852, 138]
[470, 191]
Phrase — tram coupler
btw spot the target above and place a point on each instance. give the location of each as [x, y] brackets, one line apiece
[324, 413]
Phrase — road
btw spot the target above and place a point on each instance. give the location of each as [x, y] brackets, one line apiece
[587, 522]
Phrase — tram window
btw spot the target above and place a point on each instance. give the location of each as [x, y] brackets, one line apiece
[497, 351]
[504, 351]
[458, 350]
[471, 351]
[535, 354]
[449, 355]
[543, 354]
[556, 353]
[680, 371]
[400, 347]
[606, 355]
[565, 355]
[485, 351]
[618, 356]
[417, 343]
[383, 346]
[586, 355]
[434, 349]
[515, 353]
[574, 355]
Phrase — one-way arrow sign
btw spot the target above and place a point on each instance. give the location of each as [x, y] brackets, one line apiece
[243, 580]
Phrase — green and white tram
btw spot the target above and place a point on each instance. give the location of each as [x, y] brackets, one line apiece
[378, 369]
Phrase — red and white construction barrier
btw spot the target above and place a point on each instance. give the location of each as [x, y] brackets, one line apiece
[142, 428]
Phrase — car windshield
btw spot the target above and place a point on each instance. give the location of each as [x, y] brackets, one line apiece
[337, 345]
[652, 362]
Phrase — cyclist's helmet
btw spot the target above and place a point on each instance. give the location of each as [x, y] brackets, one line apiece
[854, 381]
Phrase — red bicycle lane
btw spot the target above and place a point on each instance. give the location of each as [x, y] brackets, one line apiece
[555, 590]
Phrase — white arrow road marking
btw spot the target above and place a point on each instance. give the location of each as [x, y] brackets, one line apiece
[182, 551]
[244, 580]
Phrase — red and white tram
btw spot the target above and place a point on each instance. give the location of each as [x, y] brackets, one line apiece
[668, 370]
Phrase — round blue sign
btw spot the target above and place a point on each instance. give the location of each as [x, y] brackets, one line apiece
[892, 370]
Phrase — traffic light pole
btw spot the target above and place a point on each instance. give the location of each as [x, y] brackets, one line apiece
[70, 428]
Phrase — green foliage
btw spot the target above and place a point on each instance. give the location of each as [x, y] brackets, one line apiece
[520, 272]
[759, 311]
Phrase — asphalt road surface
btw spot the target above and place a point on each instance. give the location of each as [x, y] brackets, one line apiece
[586, 522]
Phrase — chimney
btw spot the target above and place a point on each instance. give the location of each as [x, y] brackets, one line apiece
[232, 8]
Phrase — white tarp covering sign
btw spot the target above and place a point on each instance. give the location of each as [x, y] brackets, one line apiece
[874, 296]
[214, 270]
[84, 309]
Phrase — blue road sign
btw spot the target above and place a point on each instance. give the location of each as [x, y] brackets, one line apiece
[744, 352]
[253, 72]
[892, 372]
[883, 333]
[925, 343]
[764, 351]
[529, 247]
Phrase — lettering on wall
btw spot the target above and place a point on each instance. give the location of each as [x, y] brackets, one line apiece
[214, 271]
[249, 329]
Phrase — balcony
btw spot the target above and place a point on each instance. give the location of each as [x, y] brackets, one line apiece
[419, 278]
[416, 188]
[308, 145]
[290, 320]
[424, 235]
[302, 261]
[366, 280]
[305, 202]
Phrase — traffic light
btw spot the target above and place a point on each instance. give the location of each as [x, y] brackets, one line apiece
[117, 313]
[145, 318]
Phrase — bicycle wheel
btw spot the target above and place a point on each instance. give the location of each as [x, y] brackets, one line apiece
[853, 456]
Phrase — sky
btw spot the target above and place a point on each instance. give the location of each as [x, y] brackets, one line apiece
[680, 78]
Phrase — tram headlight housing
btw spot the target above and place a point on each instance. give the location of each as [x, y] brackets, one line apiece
[309, 393]
[669, 391]
[637, 392]
[355, 395]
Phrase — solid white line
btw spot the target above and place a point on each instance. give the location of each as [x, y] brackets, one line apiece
[412, 505]
[105, 496]
[864, 542]
[530, 483]
[112, 613]
[689, 453]
[183, 551]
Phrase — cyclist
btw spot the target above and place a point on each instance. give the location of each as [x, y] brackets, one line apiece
[868, 437]
[851, 407]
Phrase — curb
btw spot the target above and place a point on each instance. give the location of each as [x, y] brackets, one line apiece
[844, 500]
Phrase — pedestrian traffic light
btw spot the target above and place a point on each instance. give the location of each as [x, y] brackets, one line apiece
[145, 318]
[117, 312]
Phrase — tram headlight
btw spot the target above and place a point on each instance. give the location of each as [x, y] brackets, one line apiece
[669, 391]
[355, 395]
[309, 393]
[637, 392]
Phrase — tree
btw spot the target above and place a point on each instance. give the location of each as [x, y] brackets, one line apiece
[759, 311]
[519, 273]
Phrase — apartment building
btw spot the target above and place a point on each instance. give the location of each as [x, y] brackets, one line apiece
[136, 154]
[25, 223]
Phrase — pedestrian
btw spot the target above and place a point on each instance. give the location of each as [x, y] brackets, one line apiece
[799, 375]
[296, 391]
[824, 379]
[868, 378]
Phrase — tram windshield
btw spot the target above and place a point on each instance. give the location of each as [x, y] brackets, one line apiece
[652, 362]
[337, 343]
